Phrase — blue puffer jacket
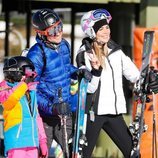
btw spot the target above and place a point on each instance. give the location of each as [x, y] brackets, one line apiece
[54, 75]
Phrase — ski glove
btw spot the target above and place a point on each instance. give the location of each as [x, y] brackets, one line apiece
[43, 149]
[74, 87]
[62, 108]
[85, 74]
[27, 79]
[97, 72]
[153, 80]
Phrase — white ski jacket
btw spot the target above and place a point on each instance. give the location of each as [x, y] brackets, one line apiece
[109, 93]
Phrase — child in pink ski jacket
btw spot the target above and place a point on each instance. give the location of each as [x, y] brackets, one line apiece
[24, 135]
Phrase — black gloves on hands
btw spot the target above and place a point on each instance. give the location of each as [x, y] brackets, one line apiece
[62, 108]
[153, 80]
[85, 74]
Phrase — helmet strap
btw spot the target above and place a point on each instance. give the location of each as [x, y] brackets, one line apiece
[49, 44]
[52, 45]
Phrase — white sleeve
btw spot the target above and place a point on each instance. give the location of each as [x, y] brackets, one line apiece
[130, 71]
[93, 84]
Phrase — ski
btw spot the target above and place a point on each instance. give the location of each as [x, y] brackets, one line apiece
[79, 139]
[137, 127]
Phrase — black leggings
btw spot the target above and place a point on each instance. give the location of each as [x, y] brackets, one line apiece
[54, 130]
[115, 127]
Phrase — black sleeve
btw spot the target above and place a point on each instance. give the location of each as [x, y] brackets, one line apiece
[97, 72]
[80, 60]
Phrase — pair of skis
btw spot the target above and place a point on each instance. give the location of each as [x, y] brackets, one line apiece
[79, 139]
[138, 126]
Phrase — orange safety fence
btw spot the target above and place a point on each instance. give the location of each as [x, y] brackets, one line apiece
[146, 146]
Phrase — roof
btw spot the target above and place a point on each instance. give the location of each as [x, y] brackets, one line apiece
[94, 1]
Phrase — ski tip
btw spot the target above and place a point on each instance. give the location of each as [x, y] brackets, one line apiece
[149, 32]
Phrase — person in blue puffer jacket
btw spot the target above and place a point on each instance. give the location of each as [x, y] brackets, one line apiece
[51, 58]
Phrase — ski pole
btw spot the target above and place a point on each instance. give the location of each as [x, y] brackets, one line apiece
[63, 119]
[154, 140]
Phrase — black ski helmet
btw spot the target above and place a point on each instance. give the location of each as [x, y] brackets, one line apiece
[44, 18]
[15, 67]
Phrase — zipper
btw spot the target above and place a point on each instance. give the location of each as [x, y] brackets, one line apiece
[31, 116]
[63, 66]
[19, 130]
[113, 84]
[33, 138]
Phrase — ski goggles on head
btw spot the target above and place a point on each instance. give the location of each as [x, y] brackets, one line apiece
[52, 30]
[101, 14]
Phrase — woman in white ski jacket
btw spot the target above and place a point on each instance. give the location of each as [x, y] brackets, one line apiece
[111, 90]
[105, 98]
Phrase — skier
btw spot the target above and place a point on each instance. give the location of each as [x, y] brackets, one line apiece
[51, 57]
[23, 128]
[105, 98]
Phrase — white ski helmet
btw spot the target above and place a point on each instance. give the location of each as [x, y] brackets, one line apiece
[89, 19]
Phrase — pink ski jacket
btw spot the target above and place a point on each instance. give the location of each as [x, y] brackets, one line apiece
[23, 126]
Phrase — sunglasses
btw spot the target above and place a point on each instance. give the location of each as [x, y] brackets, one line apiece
[52, 30]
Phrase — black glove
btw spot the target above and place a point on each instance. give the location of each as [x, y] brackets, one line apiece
[85, 74]
[29, 79]
[62, 108]
[97, 72]
[153, 80]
